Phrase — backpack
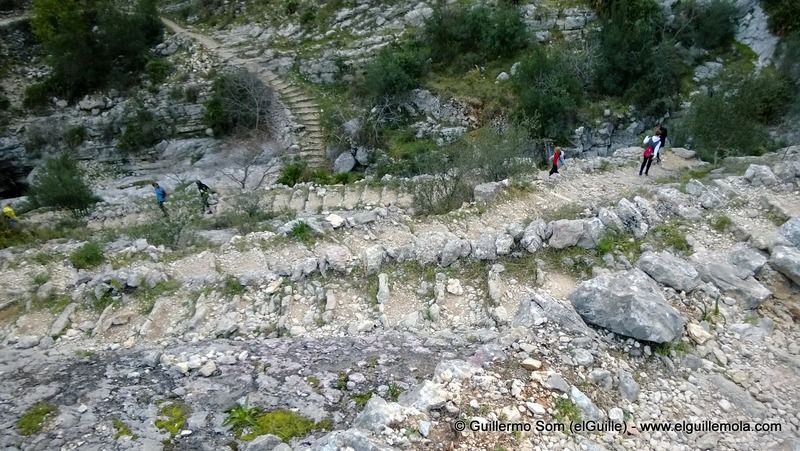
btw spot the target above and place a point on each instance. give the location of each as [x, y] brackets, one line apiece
[649, 147]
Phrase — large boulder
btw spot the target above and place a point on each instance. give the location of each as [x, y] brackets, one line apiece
[628, 303]
[576, 232]
[487, 192]
[379, 414]
[786, 260]
[428, 246]
[632, 218]
[759, 175]
[790, 230]
[610, 220]
[566, 233]
[534, 235]
[541, 308]
[727, 277]
[345, 162]
[669, 270]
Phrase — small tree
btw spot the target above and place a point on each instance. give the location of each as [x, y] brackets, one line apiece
[61, 185]
[251, 161]
[240, 102]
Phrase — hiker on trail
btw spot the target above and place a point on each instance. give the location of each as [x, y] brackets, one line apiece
[205, 193]
[652, 144]
[161, 197]
[9, 215]
[663, 145]
[557, 158]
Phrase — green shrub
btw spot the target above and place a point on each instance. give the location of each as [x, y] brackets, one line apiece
[94, 44]
[493, 155]
[142, 129]
[394, 72]
[302, 232]
[87, 256]
[721, 222]
[61, 184]
[461, 36]
[548, 92]
[232, 287]
[784, 16]
[172, 417]
[75, 136]
[37, 96]
[765, 96]
[708, 25]
[158, 70]
[293, 173]
[190, 93]
[634, 62]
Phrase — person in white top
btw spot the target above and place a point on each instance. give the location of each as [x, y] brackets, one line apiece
[652, 144]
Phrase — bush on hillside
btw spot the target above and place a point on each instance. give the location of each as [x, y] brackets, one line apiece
[784, 16]
[61, 184]
[765, 96]
[549, 92]
[239, 103]
[708, 25]
[493, 154]
[91, 45]
[718, 129]
[142, 129]
[394, 72]
[461, 37]
[87, 256]
[635, 62]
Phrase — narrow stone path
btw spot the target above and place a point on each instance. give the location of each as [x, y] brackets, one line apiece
[304, 109]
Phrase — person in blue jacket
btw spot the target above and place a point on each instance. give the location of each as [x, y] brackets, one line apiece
[161, 197]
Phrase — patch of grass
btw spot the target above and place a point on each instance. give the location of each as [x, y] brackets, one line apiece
[573, 260]
[87, 256]
[567, 211]
[665, 349]
[302, 232]
[172, 417]
[693, 174]
[41, 279]
[394, 392]
[566, 411]
[670, 236]
[147, 296]
[623, 243]
[341, 382]
[232, 287]
[250, 422]
[44, 258]
[100, 304]
[54, 304]
[122, 429]
[32, 421]
[775, 217]
[720, 222]
[361, 399]
[313, 381]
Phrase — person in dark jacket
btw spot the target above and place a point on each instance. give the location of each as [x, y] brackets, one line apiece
[161, 197]
[661, 149]
[205, 192]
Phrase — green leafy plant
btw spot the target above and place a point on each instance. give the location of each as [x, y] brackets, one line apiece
[566, 411]
[784, 16]
[121, 429]
[75, 136]
[232, 287]
[709, 25]
[302, 232]
[87, 256]
[158, 70]
[394, 392]
[61, 184]
[361, 399]
[142, 129]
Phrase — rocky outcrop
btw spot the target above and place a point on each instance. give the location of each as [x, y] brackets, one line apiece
[669, 270]
[628, 303]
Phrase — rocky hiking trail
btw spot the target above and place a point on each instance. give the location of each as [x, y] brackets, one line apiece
[481, 314]
[304, 110]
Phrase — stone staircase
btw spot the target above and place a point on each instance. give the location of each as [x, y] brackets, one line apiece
[304, 109]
